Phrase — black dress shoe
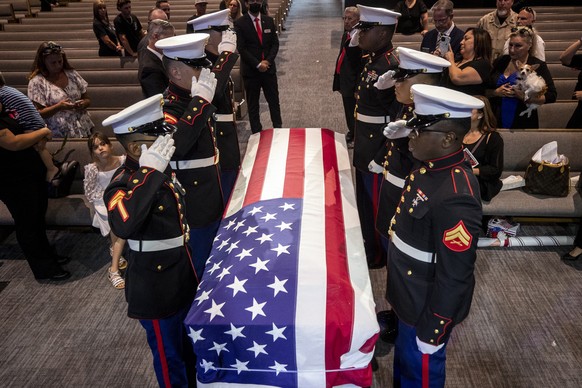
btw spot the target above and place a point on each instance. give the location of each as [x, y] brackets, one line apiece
[577, 264]
[62, 260]
[57, 275]
[349, 137]
[568, 257]
[375, 365]
[388, 325]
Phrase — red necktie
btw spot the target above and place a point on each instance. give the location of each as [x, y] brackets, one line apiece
[342, 55]
[259, 31]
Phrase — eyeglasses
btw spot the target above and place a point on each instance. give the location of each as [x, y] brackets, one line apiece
[441, 21]
[52, 48]
[522, 30]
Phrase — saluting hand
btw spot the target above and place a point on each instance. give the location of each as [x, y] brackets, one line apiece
[386, 80]
[159, 154]
[205, 85]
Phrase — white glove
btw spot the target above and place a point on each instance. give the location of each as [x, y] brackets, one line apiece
[204, 86]
[375, 168]
[386, 80]
[159, 154]
[354, 41]
[425, 348]
[228, 42]
[396, 129]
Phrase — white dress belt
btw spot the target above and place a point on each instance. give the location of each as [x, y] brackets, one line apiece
[195, 163]
[398, 182]
[155, 245]
[224, 117]
[372, 119]
[411, 251]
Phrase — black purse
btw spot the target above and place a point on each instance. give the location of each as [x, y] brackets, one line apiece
[548, 178]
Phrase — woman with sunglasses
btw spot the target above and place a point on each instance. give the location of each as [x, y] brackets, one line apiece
[59, 93]
[470, 74]
[506, 99]
[105, 31]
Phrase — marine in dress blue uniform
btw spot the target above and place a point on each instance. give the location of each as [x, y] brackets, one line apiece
[434, 236]
[226, 131]
[146, 206]
[196, 160]
[374, 109]
[415, 67]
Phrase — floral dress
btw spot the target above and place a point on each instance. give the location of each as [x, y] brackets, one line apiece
[71, 123]
[94, 184]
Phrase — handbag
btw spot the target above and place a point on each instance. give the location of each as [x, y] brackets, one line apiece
[548, 178]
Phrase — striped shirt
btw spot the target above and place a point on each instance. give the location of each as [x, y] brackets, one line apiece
[28, 116]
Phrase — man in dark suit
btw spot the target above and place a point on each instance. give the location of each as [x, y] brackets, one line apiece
[258, 44]
[348, 67]
[151, 74]
[442, 17]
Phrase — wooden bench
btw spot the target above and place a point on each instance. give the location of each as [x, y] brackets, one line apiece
[520, 145]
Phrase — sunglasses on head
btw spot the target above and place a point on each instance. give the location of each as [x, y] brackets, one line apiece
[52, 48]
[527, 9]
[522, 30]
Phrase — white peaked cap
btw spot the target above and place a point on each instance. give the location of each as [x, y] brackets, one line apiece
[381, 16]
[436, 100]
[188, 46]
[140, 113]
[207, 21]
[417, 60]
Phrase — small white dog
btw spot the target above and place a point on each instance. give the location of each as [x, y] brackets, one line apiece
[531, 83]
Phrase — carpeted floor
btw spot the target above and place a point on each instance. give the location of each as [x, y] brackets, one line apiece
[523, 330]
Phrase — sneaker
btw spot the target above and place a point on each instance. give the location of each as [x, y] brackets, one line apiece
[498, 225]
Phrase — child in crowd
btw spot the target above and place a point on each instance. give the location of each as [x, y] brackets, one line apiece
[97, 177]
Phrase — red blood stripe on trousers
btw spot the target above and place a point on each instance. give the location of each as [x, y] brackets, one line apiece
[340, 295]
[425, 370]
[162, 353]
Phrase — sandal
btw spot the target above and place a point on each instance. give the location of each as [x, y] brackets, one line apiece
[122, 263]
[115, 279]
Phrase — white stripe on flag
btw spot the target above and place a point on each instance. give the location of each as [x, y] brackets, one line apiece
[312, 270]
[275, 174]
[242, 181]
[364, 309]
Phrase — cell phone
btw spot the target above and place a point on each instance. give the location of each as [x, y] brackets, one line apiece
[444, 43]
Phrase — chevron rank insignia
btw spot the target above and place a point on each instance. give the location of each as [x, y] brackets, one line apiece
[458, 238]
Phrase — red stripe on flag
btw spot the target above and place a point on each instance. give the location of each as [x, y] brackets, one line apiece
[295, 166]
[338, 340]
[257, 179]
[162, 353]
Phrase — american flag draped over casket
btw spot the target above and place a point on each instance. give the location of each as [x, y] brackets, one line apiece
[285, 299]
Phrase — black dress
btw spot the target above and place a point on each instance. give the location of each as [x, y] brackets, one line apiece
[576, 119]
[488, 151]
[482, 67]
[410, 21]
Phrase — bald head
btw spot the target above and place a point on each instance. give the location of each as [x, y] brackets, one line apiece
[157, 13]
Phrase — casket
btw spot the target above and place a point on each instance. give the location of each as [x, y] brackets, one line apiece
[286, 299]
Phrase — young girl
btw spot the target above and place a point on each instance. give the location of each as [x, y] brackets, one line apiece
[97, 177]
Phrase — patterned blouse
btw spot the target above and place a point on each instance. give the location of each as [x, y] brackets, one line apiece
[73, 123]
